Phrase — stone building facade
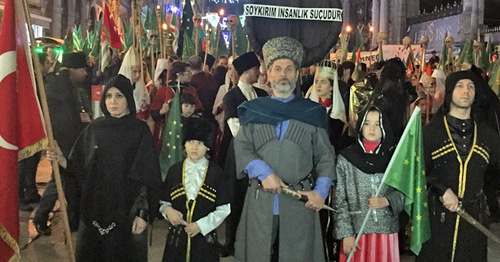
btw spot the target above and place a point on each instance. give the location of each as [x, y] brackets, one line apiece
[394, 17]
[397, 17]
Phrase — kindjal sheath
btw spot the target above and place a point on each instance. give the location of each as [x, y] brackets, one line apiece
[296, 195]
[461, 212]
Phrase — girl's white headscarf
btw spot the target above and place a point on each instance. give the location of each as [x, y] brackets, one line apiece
[141, 94]
[440, 81]
[328, 69]
[161, 65]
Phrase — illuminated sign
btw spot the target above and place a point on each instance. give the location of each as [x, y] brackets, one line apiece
[234, 7]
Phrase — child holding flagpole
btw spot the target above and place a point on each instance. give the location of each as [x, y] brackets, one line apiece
[360, 168]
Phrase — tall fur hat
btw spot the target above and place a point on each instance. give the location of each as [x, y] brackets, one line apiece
[283, 47]
[199, 129]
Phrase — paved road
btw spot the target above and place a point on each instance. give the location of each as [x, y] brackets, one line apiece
[53, 248]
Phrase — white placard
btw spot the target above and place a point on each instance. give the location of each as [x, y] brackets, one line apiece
[293, 13]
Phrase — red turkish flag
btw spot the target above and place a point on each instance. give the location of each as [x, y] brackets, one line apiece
[109, 24]
[358, 55]
[428, 70]
[21, 130]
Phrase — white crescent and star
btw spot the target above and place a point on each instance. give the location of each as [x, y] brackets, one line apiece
[7, 60]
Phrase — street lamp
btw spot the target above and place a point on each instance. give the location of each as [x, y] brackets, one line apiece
[348, 29]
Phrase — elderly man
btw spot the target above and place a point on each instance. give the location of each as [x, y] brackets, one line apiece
[459, 148]
[282, 142]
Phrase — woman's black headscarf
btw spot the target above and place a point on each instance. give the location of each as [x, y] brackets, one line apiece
[393, 94]
[123, 84]
[371, 162]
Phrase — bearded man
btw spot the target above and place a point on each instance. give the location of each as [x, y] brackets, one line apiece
[282, 142]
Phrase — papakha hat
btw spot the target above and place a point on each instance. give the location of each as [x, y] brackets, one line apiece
[210, 58]
[245, 62]
[74, 60]
[283, 47]
[197, 128]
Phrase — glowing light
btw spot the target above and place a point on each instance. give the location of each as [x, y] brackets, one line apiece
[158, 7]
[242, 20]
[348, 28]
[212, 18]
[371, 28]
[173, 9]
[225, 35]
[164, 26]
[222, 11]
[223, 23]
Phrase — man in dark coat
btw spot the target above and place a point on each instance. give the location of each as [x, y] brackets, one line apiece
[68, 116]
[247, 67]
[205, 84]
[459, 149]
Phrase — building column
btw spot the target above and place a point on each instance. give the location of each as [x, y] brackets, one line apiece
[71, 13]
[84, 16]
[399, 8]
[375, 22]
[384, 16]
[55, 27]
[474, 20]
[346, 10]
[481, 12]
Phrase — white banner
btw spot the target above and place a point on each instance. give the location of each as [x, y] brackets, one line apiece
[390, 51]
[293, 13]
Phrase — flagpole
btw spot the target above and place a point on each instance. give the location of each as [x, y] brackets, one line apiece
[208, 33]
[218, 39]
[134, 23]
[160, 30]
[50, 133]
[396, 151]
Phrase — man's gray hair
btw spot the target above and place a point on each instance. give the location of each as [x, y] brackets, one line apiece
[195, 62]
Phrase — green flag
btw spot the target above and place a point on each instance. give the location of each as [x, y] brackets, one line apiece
[465, 55]
[87, 43]
[96, 41]
[67, 45]
[186, 32]
[172, 149]
[484, 60]
[218, 46]
[240, 40]
[174, 24]
[151, 22]
[128, 35]
[407, 174]
[443, 59]
[77, 38]
[494, 82]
